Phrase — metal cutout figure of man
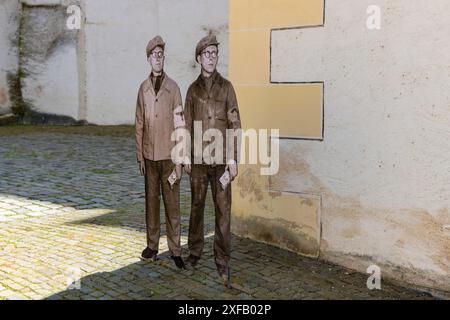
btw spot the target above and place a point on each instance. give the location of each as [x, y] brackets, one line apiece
[211, 100]
[158, 100]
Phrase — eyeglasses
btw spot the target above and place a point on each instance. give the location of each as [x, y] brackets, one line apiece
[209, 54]
[157, 54]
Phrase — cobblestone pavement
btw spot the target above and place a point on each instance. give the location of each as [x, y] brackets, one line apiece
[72, 227]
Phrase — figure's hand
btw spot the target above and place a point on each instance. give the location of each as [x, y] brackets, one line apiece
[178, 171]
[188, 168]
[232, 168]
[142, 167]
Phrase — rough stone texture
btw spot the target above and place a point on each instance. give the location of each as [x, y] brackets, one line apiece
[49, 61]
[72, 207]
[9, 24]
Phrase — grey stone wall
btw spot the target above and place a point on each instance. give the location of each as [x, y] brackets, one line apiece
[49, 63]
[9, 25]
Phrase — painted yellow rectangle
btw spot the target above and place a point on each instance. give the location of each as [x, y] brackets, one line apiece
[295, 109]
[249, 57]
[251, 14]
[259, 213]
[291, 207]
[250, 178]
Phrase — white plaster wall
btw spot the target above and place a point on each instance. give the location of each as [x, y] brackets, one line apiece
[185, 23]
[9, 24]
[383, 168]
[117, 33]
[115, 56]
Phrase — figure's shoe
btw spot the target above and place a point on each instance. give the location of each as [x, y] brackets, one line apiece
[179, 262]
[149, 254]
[192, 260]
[224, 273]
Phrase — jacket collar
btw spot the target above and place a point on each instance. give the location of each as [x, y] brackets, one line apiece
[163, 75]
[164, 84]
[216, 77]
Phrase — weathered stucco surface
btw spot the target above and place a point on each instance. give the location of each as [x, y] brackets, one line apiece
[287, 219]
[382, 169]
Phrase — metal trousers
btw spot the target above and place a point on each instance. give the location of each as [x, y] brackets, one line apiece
[156, 174]
[201, 176]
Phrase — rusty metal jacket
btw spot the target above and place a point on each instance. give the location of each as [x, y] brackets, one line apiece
[217, 109]
[154, 119]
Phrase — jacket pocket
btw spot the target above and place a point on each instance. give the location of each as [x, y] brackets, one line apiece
[220, 113]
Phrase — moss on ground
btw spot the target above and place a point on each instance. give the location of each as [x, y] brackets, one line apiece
[115, 131]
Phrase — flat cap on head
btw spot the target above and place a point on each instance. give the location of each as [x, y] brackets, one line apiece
[155, 42]
[205, 42]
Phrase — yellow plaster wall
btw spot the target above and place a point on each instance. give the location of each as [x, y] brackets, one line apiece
[289, 220]
[270, 14]
[296, 109]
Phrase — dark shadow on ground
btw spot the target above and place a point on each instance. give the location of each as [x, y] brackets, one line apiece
[259, 271]
[153, 280]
